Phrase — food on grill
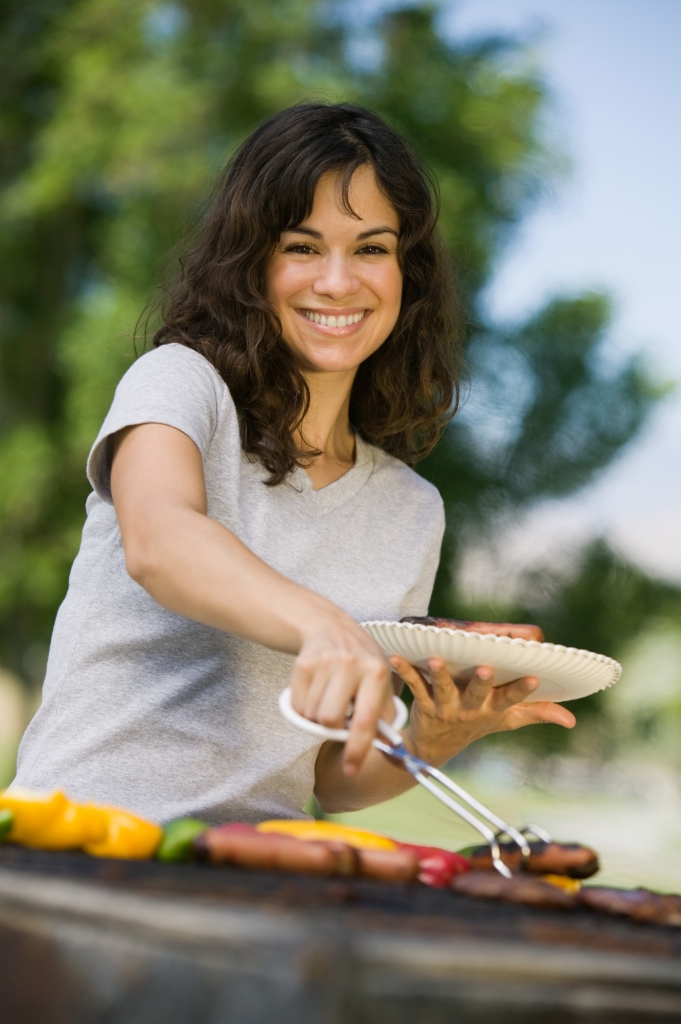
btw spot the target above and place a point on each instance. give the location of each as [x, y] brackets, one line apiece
[400, 865]
[126, 835]
[178, 837]
[533, 892]
[6, 822]
[269, 850]
[518, 630]
[359, 838]
[639, 904]
[569, 859]
[244, 845]
[437, 867]
[571, 885]
[50, 821]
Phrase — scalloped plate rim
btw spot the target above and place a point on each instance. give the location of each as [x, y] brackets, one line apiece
[584, 656]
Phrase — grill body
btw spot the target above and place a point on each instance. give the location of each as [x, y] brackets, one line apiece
[87, 941]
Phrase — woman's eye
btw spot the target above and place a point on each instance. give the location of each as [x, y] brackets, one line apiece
[300, 247]
[372, 250]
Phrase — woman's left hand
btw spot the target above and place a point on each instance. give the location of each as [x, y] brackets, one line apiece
[448, 714]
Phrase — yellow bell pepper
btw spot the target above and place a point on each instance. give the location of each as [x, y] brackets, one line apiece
[126, 836]
[50, 821]
[571, 885]
[329, 830]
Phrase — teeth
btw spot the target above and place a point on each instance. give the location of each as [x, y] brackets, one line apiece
[333, 321]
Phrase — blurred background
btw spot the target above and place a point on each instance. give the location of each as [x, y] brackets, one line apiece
[551, 127]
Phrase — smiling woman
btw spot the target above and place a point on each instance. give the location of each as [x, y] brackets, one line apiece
[248, 509]
[344, 163]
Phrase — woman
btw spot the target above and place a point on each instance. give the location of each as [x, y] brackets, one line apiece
[252, 502]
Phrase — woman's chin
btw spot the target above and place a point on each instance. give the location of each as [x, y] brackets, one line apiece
[345, 360]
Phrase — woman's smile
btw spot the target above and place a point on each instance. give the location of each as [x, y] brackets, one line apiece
[338, 322]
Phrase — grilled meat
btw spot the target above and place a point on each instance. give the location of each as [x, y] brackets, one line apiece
[545, 859]
[523, 889]
[519, 630]
[639, 904]
[243, 845]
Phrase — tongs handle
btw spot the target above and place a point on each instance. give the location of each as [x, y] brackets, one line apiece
[340, 735]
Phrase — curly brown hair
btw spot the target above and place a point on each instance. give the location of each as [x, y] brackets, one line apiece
[404, 393]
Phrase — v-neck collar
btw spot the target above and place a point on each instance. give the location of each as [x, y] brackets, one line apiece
[326, 499]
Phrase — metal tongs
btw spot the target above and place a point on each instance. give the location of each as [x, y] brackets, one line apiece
[491, 827]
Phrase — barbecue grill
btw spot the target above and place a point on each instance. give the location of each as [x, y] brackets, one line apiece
[88, 941]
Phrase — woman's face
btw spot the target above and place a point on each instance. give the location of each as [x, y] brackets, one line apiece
[334, 280]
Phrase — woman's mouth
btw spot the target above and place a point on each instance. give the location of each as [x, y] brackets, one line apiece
[330, 320]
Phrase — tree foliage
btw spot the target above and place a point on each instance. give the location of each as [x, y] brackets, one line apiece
[117, 115]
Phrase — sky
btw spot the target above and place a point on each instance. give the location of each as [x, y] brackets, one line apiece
[614, 224]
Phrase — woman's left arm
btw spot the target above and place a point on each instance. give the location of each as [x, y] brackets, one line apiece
[446, 716]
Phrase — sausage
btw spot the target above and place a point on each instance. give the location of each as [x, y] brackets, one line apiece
[639, 904]
[531, 892]
[243, 845]
[545, 859]
[517, 630]
[388, 865]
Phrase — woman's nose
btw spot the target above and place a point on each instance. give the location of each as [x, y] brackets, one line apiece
[336, 278]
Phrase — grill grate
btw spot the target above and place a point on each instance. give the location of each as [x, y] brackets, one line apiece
[407, 909]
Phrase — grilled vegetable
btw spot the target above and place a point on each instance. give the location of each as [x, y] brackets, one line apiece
[545, 859]
[6, 819]
[127, 836]
[178, 837]
[50, 821]
[571, 885]
[437, 867]
[328, 830]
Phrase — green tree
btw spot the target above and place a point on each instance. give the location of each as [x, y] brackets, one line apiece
[116, 116]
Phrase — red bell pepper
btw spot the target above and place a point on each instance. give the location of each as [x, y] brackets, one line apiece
[437, 867]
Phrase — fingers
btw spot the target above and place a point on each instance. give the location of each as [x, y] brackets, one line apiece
[370, 704]
[478, 689]
[542, 712]
[304, 671]
[513, 693]
[414, 680]
[441, 682]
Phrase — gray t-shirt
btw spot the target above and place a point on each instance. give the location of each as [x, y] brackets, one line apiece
[148, 710]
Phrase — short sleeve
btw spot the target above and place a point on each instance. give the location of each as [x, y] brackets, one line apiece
[433, 527]
[172, 385]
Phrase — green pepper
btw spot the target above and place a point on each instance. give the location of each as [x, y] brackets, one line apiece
[6, 822]
[177, 839]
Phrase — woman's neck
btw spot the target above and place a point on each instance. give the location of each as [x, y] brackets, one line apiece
[326, 427]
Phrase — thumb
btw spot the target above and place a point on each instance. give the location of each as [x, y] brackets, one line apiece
[541, 712]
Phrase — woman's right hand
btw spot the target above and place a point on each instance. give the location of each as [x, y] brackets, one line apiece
[338, 663]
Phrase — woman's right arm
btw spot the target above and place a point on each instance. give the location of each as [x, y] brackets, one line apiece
[194, 566]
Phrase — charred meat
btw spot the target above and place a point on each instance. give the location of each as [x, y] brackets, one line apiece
[569, 859]
[516, 630]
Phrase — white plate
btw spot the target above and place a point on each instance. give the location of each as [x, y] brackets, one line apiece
[564, 673]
